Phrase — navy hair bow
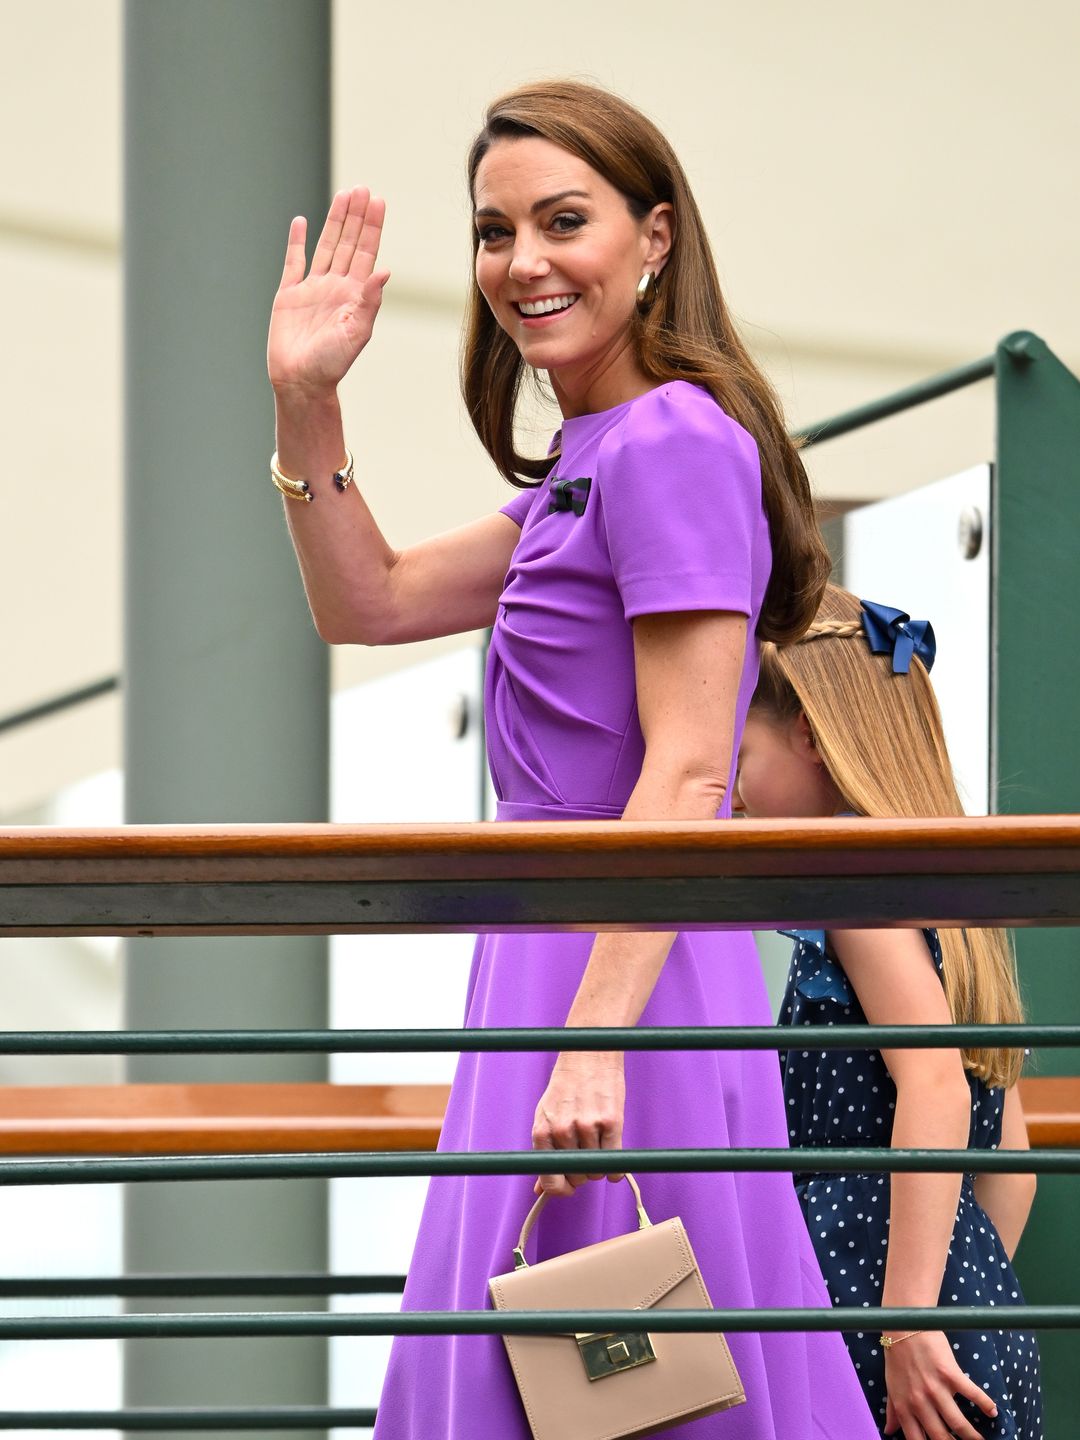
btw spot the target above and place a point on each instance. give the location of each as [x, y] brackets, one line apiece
[569, 495]
[894, 630]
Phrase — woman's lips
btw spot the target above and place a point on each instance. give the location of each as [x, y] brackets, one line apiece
[542, 309]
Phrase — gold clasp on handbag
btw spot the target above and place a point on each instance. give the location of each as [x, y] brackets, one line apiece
[609, 1353]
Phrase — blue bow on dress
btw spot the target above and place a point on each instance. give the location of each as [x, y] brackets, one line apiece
[569, 495]
[894, 630]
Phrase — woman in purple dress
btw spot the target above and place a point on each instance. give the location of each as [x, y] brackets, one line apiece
[669, 526]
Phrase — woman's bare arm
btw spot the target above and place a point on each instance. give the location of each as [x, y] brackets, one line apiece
[1008, 1199]
[360, 589]
[688, 668]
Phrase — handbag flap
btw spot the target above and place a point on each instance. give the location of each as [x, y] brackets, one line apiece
[629, 1272]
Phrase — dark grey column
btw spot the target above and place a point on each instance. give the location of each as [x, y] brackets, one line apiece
[226, 136]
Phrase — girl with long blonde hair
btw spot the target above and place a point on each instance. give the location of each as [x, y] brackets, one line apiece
[844, 721]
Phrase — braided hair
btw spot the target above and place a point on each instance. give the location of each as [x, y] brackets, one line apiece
[834, 630]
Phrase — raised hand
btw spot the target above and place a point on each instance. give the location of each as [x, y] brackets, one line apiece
[322, 320]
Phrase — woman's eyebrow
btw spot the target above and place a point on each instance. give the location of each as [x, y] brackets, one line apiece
[536, 206]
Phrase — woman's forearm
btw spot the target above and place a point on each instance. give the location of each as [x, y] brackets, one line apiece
[624, 967]
[922, 1211]
[345, 561]
[621, 974]
[687, 671]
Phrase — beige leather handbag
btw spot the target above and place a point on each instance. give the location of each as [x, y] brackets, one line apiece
[613, 1386]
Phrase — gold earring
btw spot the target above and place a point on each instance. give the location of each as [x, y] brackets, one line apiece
[646, 292]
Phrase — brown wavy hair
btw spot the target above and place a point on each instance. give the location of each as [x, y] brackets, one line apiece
[688, 334]
[881, 739]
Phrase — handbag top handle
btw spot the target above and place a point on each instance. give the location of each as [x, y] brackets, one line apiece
[520, 1263]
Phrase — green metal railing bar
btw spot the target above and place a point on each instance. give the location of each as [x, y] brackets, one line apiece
[59, 703]
[531, 1322]
[898, 401]
[264, 1417]
[825, 1160]
[699, 1037]
[132, 1287]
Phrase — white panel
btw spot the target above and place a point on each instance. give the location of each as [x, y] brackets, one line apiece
[60, 1230]
[906, 552]
[395, 757]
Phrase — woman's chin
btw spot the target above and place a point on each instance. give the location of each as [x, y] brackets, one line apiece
[541, 354]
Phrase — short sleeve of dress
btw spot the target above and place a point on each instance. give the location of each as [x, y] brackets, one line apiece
[681, 495]
[518, 508]
[817, 974]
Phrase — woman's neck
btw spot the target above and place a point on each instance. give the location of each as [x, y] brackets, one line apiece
[602, 385]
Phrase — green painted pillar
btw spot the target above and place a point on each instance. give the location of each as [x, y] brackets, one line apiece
[1036, 761]
[226, 136]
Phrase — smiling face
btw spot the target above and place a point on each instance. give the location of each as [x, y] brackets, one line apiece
[780, 773]
[559, 259]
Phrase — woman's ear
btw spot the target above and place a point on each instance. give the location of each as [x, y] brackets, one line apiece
[660, 232]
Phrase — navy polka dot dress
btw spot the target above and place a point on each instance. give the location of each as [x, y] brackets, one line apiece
[847, 1098]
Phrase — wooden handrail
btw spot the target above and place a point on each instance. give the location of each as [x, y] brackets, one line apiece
[311, 1118]
[594, 875]
[218, 1119]
[160, 853]
[1052, 1110]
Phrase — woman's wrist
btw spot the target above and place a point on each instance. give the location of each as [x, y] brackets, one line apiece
[302, 403]
[310, 439]
[589, 1059]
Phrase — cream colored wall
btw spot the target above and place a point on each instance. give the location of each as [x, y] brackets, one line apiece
[888, 192]
[60, 478]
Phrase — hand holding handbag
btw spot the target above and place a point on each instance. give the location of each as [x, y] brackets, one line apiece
[608, 1386]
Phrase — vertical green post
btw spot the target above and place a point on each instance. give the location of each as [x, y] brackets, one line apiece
[226, 136]
[1036, 761]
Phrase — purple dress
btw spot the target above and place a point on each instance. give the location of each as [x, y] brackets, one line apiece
[654, 506]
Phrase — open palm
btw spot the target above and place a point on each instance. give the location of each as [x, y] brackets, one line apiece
[322, 320]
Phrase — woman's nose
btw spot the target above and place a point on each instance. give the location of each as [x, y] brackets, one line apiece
[528, 262]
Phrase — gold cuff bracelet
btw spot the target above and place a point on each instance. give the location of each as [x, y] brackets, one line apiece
[300, 489]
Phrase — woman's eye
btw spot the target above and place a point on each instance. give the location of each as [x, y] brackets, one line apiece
[566, 222]
[491, 234]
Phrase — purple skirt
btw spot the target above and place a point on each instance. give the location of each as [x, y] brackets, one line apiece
[746, 1229]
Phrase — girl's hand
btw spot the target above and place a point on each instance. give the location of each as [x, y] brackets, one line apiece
[581, 1109]
[320, 322]
[922, 1380]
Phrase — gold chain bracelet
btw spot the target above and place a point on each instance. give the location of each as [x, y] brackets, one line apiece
[888, 1341]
